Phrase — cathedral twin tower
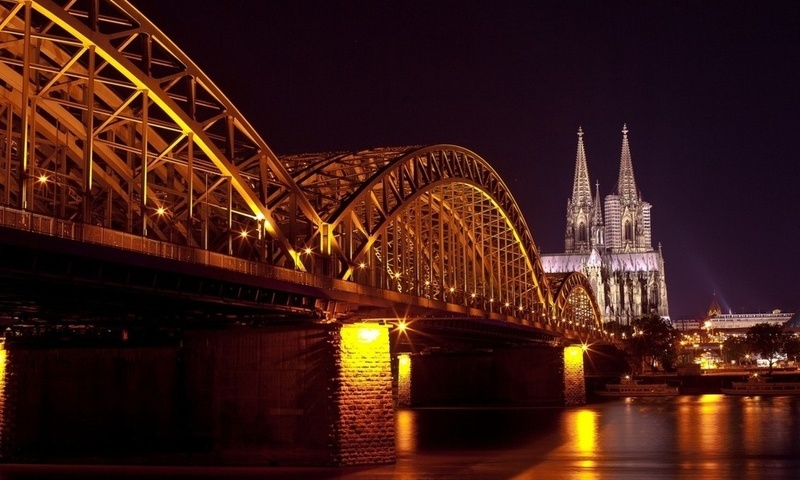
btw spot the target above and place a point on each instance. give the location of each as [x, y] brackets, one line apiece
[614, 251]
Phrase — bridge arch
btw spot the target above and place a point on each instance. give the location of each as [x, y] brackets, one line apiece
[106, 121]
[575, 305]
[436, 221]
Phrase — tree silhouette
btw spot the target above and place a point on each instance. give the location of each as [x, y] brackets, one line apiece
[736, 348]
[653, 341]
[767, 340]
[792, 347]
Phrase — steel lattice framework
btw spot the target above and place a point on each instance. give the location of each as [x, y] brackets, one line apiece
[104, 121]
[575, 303]
[434, 221]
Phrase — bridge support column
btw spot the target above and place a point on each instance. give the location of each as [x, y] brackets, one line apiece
[574, 383]
[403, 380]
[364, 420]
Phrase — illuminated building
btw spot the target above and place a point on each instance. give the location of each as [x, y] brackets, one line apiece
[732, 321]
[614, 251]
[739, 322]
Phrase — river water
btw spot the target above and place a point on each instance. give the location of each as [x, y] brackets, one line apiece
[686, 437]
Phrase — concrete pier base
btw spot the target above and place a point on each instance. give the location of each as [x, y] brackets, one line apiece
[526, 376]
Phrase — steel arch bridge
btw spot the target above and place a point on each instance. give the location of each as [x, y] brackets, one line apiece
[105, 122]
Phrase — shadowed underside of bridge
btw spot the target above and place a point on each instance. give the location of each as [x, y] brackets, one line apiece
[124, 168]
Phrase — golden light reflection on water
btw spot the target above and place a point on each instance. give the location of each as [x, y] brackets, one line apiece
[405, 435]
[585, 427]
[577, 455]
[701, 424]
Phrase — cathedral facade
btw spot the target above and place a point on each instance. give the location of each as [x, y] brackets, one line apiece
[614, 250]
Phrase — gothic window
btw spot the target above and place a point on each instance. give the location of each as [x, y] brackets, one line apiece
[582, 232]
[627, 231]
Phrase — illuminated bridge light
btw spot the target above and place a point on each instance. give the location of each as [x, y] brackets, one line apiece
[368, 333]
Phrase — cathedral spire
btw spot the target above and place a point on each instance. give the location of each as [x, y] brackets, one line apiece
[579, 206]
[581, 188]
[626, 185]
[598, 211]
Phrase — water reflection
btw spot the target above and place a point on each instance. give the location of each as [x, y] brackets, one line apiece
[684, 438]
[585, 428]
[405, 440]
[688, 437]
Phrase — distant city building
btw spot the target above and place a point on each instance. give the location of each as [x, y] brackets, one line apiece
[686, 324]
[736, 323]
[741, 321]
[615, 252]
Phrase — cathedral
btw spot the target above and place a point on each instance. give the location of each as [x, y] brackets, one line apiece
[613, 250]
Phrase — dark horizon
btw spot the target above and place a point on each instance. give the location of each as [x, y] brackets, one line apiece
[707, 90]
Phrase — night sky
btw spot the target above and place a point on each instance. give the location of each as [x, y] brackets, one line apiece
[710, 91]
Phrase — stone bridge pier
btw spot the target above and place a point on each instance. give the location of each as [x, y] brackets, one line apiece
[320, 394]
[313, 394]
[518, 376]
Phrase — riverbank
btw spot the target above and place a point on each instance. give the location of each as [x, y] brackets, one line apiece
[709, 382]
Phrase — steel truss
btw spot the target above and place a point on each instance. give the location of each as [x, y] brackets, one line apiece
[105, 121]
[575, 305]
[436, 222]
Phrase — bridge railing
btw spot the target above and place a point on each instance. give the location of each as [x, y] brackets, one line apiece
[66, 229]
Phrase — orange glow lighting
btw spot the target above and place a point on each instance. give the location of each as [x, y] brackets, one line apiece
[368, 333]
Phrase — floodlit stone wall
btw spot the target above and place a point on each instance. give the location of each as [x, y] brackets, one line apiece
[404, 380]
[574, 383]
[364, 428]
